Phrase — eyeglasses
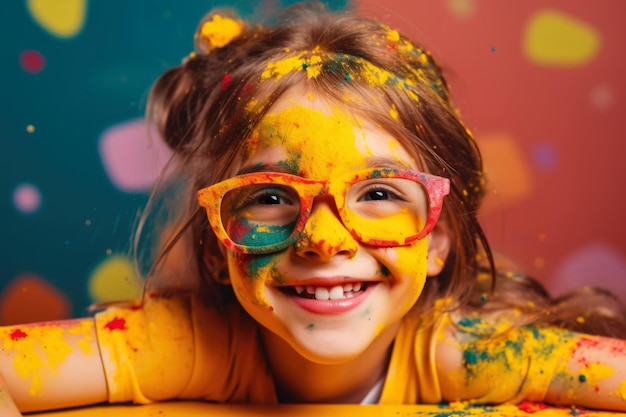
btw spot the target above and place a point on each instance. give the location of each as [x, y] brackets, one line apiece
[265, 212]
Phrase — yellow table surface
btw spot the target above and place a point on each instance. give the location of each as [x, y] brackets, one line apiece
[192, 409]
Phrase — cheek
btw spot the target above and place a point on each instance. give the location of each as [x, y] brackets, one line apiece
[249, 275]
[407, 265]
[243, 232]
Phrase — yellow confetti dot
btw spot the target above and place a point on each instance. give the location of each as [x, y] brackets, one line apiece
[62, 18]
[462, 8]
[114, 279]
[30, 128]
[507, 169]
[553, 38]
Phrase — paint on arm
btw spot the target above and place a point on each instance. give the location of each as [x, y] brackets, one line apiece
[52, 365]
[7, 405]
[494, 361]
[595, 375]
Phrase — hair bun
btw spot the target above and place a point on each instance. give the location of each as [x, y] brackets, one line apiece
[217, 30]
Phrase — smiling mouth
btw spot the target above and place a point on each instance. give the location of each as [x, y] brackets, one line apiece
[337, 292]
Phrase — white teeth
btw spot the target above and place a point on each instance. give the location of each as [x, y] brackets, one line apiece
[335, 293]
[338, 292]
[322, 293]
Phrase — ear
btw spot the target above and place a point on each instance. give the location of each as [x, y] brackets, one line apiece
[215, 262]
[438, 249]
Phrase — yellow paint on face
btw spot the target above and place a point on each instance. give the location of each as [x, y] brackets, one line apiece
[312, 138]
[313, 143]
[409, 265]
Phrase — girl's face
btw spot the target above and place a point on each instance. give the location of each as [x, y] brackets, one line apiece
[329, 296]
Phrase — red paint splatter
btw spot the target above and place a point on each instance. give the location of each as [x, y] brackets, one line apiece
[32, 61]
[116, 324]
[247, 88]
[18, 334]
[226, 82]
[531, 407]
[594, 345]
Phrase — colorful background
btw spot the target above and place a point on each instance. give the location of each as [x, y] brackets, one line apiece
[540, 82]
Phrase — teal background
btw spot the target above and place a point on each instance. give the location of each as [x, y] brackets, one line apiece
[98, 78]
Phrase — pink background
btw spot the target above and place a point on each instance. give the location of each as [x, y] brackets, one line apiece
[552, 132]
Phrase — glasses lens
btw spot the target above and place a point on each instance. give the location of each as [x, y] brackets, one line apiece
[260, 215]
[388, 209]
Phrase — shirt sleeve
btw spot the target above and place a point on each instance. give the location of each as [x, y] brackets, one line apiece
[181, 348]
[147, 350]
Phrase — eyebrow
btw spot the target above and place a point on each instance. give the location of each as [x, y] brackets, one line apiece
[261, 167]
[371, 162]
[380, 162]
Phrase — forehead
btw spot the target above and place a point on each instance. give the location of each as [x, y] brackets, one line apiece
[312, 137]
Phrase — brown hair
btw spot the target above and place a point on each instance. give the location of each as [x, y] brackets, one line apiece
[203, 111]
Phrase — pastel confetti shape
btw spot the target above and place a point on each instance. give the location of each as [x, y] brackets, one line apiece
[506, 169]
[602, 97]
[61, 18]
[30, 298]
[462, 8]
[114, 279]
[553, 38]
[596, 263]
[545, 156]
[32, 61]
[133, 155]
[27, 198]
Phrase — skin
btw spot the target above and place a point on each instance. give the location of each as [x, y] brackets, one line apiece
[51, 365]
[313, 139]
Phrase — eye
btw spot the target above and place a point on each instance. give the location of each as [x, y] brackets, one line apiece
[268, 196]
[379, 193]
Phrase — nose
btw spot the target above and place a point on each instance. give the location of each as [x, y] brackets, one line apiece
[324, 236]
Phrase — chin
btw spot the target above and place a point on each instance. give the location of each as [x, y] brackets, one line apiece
[330, 347]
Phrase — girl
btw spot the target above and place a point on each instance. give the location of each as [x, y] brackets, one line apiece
[327, 249]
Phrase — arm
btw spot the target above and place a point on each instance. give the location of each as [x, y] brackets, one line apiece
[595, 375]
[52, 365]
[529, 363]
[7, 406]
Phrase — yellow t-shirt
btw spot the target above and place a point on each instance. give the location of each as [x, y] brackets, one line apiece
[179, 348]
